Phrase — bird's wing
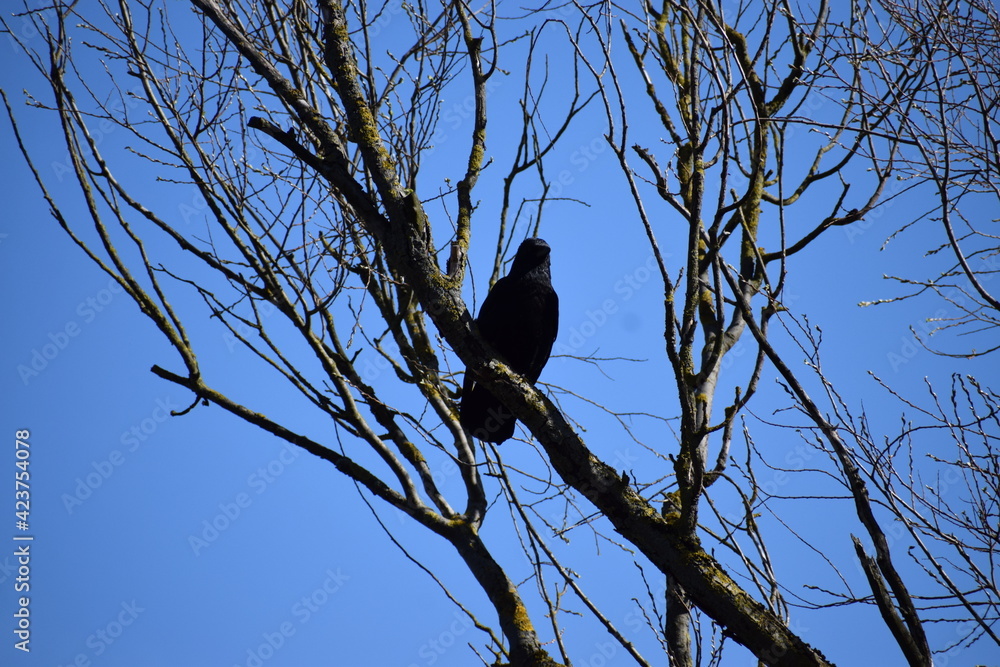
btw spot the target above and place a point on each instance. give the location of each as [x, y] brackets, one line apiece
[546, 322]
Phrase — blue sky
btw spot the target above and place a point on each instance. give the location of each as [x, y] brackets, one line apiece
[200, 540]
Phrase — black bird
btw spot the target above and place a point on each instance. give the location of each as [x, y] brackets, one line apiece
[520, 319]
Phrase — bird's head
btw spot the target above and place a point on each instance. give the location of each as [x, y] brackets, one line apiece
[532, 252]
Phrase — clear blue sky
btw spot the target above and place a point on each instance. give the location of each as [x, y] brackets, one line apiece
[202, 541]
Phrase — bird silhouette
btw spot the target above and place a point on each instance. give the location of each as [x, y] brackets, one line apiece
[520, 319]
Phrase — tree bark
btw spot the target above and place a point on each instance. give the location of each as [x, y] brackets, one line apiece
[400, 227]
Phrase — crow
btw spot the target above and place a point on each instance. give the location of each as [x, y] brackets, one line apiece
[519, 318]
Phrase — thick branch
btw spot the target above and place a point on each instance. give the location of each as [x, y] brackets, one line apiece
[709, 587]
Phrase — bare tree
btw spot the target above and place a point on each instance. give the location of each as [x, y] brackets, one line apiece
[730, 112]
[319, 245]
[955, 535]
[945, 497]
[951, 130]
